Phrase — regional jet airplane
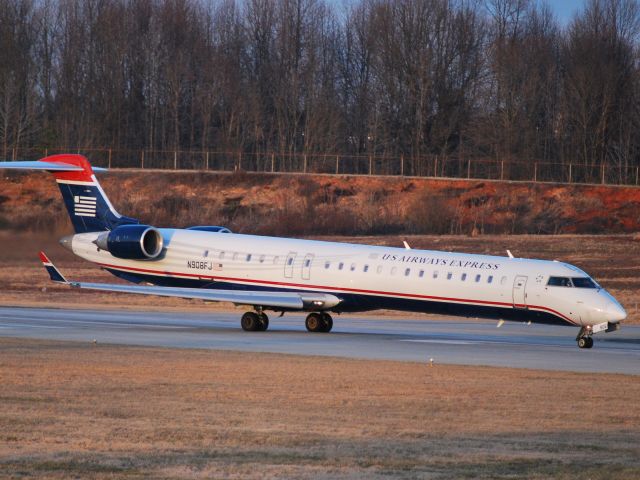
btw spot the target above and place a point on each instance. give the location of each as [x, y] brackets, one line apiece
[282, 275]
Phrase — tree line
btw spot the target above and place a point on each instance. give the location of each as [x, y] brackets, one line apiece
[494, 79]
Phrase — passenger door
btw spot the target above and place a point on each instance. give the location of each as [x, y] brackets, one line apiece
[519, 292]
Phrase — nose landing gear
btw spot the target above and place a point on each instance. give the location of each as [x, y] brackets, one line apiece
[585, 342]
[584, 338]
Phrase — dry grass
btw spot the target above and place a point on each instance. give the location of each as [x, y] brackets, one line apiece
[610, 259]
[83, 411]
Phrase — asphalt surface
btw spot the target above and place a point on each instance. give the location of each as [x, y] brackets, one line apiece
[449, 341]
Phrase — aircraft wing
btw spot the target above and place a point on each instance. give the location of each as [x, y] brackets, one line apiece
[284, 300]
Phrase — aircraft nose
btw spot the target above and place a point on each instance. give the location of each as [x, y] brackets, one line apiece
[615, 313]
[66, 242]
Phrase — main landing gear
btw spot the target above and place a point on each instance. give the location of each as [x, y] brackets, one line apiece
[254, 322]
[259, 322]
[319, 322]
[584, 338]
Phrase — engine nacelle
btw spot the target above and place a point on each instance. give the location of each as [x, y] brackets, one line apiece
[133, 242]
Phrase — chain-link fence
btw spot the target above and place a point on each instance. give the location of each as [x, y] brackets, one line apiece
[426, 166]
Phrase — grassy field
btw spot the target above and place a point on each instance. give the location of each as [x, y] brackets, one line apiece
[71, 410]
[611, 260]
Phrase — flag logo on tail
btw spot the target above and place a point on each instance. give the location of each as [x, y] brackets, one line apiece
[84, 206]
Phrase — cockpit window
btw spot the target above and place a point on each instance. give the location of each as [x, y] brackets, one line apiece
[583, 282]
[559, 282]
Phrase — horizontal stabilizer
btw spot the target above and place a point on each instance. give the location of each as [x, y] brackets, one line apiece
[277, 300]
[47, 166]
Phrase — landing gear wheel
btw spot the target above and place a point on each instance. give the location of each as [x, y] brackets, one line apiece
[585, 342]
[327, 323]
[263, 321]
[314, 322]
[250, 322]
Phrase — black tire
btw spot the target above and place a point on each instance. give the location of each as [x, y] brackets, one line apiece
[250, 322]
[327, 323]
[263, 321]
[583, 342]
[589, 342]
[314, 322]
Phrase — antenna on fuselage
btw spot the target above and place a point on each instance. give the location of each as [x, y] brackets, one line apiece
[509, 253]
[406, 245]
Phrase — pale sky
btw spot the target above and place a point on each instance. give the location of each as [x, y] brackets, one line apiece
[565, 9]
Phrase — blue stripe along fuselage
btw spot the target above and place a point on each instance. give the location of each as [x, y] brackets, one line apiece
[357, 302]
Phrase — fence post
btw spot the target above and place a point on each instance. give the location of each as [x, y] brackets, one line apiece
[468, 168]
[401, 165]
[569, 172]
[273, 162]
[603, 173]
[435, 167]
[337, 164]
[142, 159]
[175, 160]
[370, 165]
[109, 158]
[535, 172]
[14, 154]
[501, 169]
[206, 160]
[46, 153]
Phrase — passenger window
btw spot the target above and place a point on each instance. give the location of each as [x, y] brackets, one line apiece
[421, 274]
[503, 280]
[379, 269]
[261, 258]
[307, 262]
[464, 277]
[290, 261]
[449, 276]
[490, 279]
[248, 257]
[407, 272]
[365, 269]
[435, 274]
[327, 265]
[393, 270]
[206, 253]
[340, 265]
[353, 267]
[477, 278]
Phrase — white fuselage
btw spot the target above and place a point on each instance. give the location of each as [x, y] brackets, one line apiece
[379, 276]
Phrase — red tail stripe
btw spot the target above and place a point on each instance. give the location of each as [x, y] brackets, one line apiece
[72, 159]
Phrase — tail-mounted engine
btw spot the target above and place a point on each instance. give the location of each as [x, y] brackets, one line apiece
[133, 242]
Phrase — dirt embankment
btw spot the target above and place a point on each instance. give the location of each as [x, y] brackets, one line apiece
[333, 205]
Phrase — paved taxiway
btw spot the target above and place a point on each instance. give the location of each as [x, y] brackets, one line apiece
[447, 341]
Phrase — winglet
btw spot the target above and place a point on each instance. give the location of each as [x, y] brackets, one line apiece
[53, 272]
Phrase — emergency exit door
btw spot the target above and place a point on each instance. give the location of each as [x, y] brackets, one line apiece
[519, 292]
